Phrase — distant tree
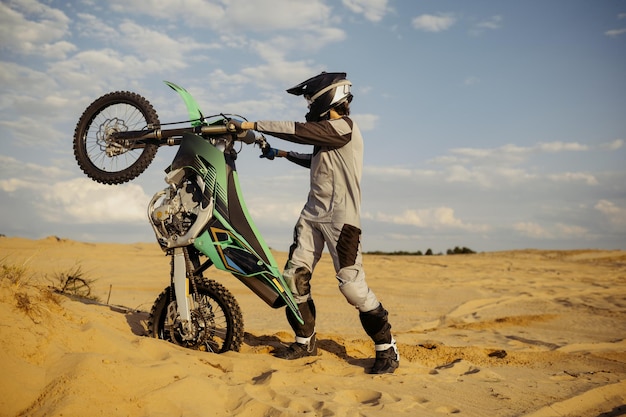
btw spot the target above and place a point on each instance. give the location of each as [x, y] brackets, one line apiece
[457, 251]
[429, 252]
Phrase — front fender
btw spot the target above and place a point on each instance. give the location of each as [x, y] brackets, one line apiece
[195, 114]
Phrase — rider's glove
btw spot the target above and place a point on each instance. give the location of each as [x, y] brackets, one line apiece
[269, 153]
[234, 126]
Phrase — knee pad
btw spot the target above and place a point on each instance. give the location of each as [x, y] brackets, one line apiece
[353, 286]
[299, 281]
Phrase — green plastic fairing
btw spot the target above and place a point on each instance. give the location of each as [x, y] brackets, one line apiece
[195, 114]
[231, 239]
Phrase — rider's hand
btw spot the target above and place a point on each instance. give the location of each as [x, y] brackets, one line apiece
[234, 126]
[270, 153]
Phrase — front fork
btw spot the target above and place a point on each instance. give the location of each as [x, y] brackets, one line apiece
[184, 300]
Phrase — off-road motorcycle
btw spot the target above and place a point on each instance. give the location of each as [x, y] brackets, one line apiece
[200, 219]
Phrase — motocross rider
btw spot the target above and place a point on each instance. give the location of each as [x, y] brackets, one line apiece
[331, 214]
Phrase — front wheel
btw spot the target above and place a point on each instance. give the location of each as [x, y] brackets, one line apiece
[103, 158]
[216, 322]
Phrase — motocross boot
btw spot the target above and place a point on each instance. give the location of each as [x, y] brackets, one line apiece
[299, 350]
[377, 327]
[387, 360]
[305, 344]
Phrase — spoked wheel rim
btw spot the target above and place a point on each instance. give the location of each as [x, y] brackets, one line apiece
[113, 155]
[104, 158]
[209, 323]
[216, 319]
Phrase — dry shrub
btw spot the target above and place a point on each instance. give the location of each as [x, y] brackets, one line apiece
[74, 283]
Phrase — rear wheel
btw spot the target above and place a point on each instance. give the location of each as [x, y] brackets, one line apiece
[107, 160]
[217, 322]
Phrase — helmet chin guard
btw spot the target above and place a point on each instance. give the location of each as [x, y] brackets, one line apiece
[323, 92]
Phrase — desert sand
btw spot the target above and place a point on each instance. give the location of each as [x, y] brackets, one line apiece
[519, 333]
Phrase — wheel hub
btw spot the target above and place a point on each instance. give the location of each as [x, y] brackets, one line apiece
[197, 334]
[104, 138]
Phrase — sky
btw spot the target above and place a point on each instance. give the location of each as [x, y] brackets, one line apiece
[489, 124]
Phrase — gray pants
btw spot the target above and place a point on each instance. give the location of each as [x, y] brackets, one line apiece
[343, 242]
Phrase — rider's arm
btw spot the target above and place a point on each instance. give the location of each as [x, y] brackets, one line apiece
[327, 133]
[302, 159]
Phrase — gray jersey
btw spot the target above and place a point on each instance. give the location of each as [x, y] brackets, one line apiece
[336, 166]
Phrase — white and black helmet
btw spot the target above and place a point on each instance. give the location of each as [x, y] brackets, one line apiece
[323, 92]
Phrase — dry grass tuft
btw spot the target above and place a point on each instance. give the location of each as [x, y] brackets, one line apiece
[74, 283]
[35, 299]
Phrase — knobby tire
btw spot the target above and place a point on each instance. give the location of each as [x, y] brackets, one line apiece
[218, 294]
[92, 159]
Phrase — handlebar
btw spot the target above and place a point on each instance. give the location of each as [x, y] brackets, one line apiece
[172, 136]
[262, 142]
[158, 133]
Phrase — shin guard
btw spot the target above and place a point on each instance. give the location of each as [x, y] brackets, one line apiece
[376, 325]
[307, 309]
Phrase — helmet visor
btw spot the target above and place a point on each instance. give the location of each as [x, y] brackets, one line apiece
[342, 90]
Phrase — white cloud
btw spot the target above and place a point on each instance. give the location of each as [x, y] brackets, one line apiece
[510, 153]
[149, 43]
[20, 132]
[275, 49]
[91, 71]
[235, 15]
[615, 214]
[494, 22]
[11, 185]
[19, 174]
[295, 27]
[84, 201]
[615, 32]
[373, 10]
[194, 12]
[266, 209]
[366, 121]
[432, 218]
[14, 76]
[485, 176]
[279, 71]
[32, 28]
[91, 26]
[551, 232]
[583, 177]
[568, 230]
[561, 146]
[433, 23]
[391, 173]
[614, 145]
[27, 92]
[272, 15]
[504, 166]
[532, 230]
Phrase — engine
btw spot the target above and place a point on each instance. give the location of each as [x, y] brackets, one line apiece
[180, 212]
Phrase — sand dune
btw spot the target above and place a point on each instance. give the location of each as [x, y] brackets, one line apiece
[521, 333]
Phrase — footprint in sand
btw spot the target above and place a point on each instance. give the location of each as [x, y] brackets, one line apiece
[359, 396]
[446, 409]
[458, 369]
